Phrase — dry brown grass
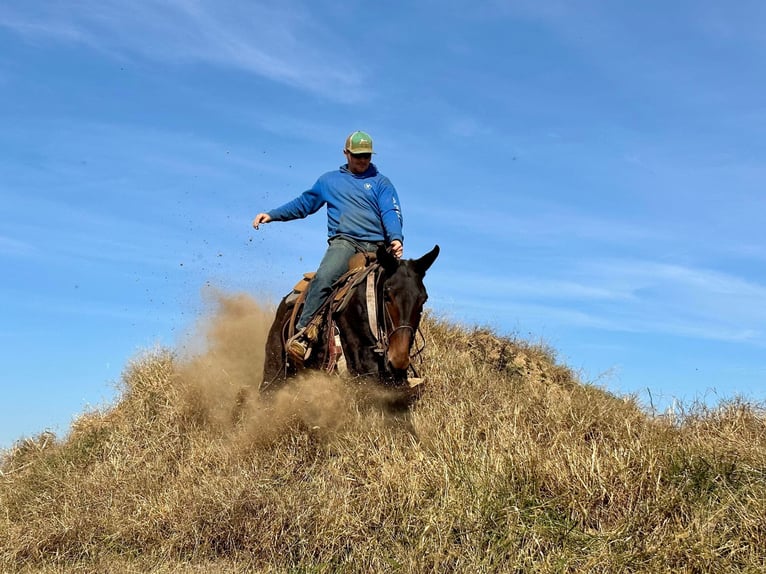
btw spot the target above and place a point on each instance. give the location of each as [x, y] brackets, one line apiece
[507, 464]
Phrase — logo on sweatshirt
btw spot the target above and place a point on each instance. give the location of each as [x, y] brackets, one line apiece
[397, 209]
[368, 186]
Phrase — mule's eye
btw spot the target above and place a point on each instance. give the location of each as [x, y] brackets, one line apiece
[387, 294]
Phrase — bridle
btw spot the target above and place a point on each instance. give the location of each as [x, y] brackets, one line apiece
[387, 329]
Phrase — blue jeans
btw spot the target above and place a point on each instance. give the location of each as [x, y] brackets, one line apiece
[333, 265]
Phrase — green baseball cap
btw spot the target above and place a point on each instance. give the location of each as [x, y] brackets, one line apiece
[359, 142]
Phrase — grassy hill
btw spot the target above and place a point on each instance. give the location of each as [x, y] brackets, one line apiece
[508, 463]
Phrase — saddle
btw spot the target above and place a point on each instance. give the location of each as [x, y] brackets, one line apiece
[361, 267]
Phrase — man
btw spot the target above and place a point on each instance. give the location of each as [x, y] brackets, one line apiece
[362, 212]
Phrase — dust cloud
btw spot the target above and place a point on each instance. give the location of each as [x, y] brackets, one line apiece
[220, 367]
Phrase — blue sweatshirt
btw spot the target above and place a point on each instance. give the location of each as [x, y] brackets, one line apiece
[364, 206]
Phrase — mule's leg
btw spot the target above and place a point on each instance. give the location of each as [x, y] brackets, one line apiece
[274, 367]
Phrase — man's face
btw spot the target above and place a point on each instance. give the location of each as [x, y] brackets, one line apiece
[358, 162]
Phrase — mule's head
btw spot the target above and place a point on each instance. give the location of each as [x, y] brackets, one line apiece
[403, 298]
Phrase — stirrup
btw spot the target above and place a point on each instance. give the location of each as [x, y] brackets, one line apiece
[298, 348]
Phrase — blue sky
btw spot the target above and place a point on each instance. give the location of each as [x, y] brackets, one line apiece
[593, 171]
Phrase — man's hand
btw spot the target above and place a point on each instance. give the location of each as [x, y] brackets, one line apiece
[261, 218]
[397, 249]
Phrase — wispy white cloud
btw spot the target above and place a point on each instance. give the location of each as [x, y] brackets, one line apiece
[275, 40]
[467, 127]
[525, 287]
[90, 236]
[621, 295]
[660, 45]
[15, 247]
[68, 304]
[32, 24]
[307, 129]
[740, 23]
[687, 291]
[513, 216]
[85, 202]
[69, 149]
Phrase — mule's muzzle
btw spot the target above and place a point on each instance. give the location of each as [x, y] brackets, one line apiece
[399, 344]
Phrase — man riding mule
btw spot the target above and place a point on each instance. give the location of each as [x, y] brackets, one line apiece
[366, 328]
[363, 213]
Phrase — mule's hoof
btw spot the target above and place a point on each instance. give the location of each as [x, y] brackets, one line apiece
[413, 382]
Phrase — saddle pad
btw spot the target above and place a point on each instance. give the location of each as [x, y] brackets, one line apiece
[303, 284]
[300, 288]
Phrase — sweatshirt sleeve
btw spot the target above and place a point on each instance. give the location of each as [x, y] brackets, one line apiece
[305, 204]
[390, 211]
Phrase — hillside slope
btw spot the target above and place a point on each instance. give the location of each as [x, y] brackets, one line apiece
[507, 463]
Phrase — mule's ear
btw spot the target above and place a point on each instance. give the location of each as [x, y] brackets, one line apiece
[421, 265]
[388, 261]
